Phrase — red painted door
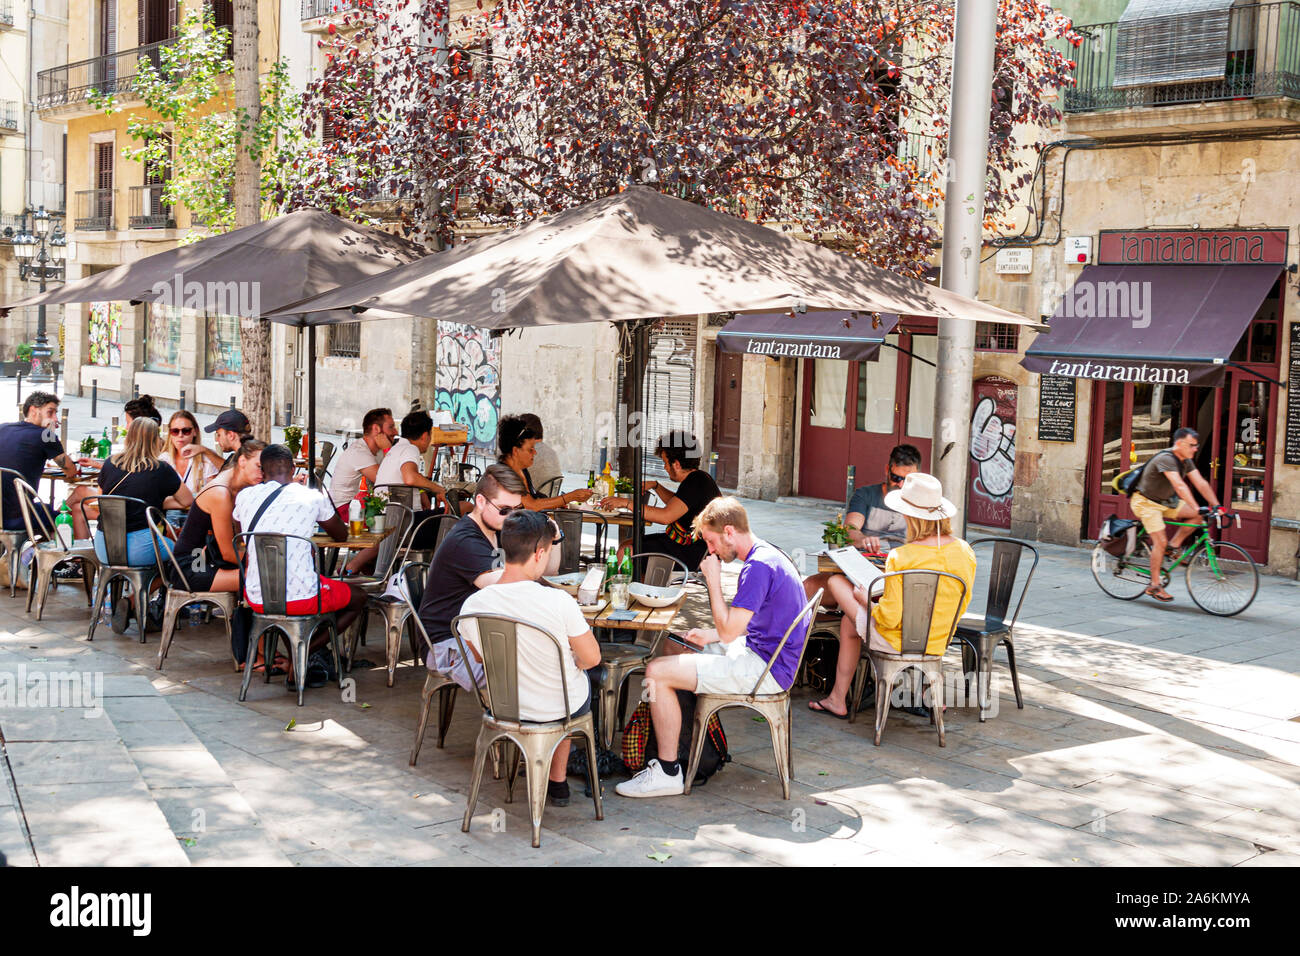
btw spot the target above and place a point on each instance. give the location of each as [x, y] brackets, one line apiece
[726, 416]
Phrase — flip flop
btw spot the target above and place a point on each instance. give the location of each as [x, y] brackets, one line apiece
[1159, 594]
[816, 707]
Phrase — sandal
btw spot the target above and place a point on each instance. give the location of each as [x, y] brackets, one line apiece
[1160, 594]
[816, 707]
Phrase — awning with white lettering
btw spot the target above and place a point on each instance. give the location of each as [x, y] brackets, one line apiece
[851, 336]
[1170, 325]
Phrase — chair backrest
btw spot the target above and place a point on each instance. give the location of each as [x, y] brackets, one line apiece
[398, 518]
[1004, 568]
[112, 524]
[549, 489]
[920, 593]
[415, 573]
[156, 525]
[408, 495]
[656, 569]
[570, 524]
[35, 519]
[326, 454]
[808, 615]
[498, 638]
[272, 552]
[8, 476]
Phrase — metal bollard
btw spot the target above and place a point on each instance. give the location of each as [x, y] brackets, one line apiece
[851, 484]
[94, 398]
[232, 401]
[112, 433]
[137, 391]
[288, 414]
[63, 428]
[20, 395]
[182, 399]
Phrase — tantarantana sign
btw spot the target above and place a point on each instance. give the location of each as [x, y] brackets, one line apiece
[1181, 247]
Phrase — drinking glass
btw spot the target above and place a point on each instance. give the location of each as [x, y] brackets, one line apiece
[618, 594]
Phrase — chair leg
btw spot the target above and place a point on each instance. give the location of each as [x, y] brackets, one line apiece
[698, 730]
[298, 647]
[426, 706]
[32, 573]
[778, 725]
[608, 704]
[97, 605]
[593, 773]
[46, 576]
[476, 777]
[446, 704]
[536, 775]
[512, 769]
[170, 612]
[936, 703]
[969, 666]
[857, 687]
[142, 608]
[392, 645]
[884, 687]
[88, 574]
[985, 676]
[248, 665]
[334, 647]
[1015, 678]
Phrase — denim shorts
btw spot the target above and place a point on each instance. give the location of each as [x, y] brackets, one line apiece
[139, 547]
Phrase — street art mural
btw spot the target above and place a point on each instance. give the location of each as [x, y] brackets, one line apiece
[469, 380]
[993, 452]
[105, 333]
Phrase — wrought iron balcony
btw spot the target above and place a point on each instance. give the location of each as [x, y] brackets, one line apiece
[6, 14]
[317, 15]
[94, 209]
[324, 8]
[1176, 60]
[8, 116]
[112, 73]
[147, 209]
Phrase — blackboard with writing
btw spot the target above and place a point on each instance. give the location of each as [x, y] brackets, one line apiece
[1292, 452]
[1056, 408]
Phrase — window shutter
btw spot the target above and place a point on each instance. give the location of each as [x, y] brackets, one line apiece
[172, 6]
[103, 165]
[142, 22]
[108, 26]
[1171, 41]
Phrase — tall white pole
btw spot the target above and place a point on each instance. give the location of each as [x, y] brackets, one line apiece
[963, 215]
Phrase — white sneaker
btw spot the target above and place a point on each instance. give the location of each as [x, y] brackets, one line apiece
[653, 782]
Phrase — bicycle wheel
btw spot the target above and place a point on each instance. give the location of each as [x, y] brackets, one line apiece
[1226, 586]
[1123, 578]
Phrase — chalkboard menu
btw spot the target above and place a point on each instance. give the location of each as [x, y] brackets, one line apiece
[1056, 408]
[1292, 454]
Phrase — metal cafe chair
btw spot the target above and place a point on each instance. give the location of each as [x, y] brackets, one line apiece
[435, 682]
[774, 708]
[549, 489]
[401, 494]
[397, 615]
[980, 636]
[620, 661]
[570, 524]
[178, 596]
[48, 552]
[443, 522]
[11, 542]
[272, 559]
[534, 740]
[920, 590]
[109, 577]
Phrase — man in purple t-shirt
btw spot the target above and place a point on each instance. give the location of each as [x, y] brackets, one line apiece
[732, 656]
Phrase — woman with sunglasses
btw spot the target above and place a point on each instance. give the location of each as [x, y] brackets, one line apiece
[516, 449]
[195, 468]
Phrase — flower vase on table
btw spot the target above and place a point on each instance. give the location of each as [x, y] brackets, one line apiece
[835, 534]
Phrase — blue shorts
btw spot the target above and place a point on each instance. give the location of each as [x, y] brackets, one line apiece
[139, 548]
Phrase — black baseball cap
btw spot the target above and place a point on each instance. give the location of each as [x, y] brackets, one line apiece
[232, 419]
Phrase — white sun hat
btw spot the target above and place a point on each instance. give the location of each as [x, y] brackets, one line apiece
[921, 497]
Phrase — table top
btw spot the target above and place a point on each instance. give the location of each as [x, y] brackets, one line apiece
[827, 566]
[367, 539]
[622, 519]
[83, 478]
[647, 618]
[444, 438]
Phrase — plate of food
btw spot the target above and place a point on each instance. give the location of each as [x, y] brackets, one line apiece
[652, 596]
[567, 582]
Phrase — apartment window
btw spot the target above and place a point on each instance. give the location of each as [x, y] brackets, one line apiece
[1171, 41]
[162, 339]
[996, 336]
[222, 355]
[156, 21]
[345, 340]
[105, 328]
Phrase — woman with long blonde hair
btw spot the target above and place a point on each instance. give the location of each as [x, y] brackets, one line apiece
[136, 472]
[184, 451]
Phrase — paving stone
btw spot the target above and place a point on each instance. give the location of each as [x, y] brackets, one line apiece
[246, 847]
[100, 761]
[13, 839]
[116, 847]
[1176, 840]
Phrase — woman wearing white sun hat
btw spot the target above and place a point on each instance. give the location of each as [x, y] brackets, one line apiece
[931, 546]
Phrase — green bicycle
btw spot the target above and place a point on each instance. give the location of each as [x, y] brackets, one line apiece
[1221, 577]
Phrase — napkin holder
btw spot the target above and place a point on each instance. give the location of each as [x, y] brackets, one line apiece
[589, 590]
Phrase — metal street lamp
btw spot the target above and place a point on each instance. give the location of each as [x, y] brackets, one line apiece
[42, 257]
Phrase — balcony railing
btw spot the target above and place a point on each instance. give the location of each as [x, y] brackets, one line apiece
[12, 222]
[94, 209]
[311, 9]
[147, 209]
[113, 73]
[6, 13]
[1121, 66]
[8, 116]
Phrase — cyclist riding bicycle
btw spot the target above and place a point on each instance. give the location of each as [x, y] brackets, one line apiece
[1162, 493]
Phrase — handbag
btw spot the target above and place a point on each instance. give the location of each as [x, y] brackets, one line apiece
[639, 740]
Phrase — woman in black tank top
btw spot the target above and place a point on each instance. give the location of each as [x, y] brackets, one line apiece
[205, 549]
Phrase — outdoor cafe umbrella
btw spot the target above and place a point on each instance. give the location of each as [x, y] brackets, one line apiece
[266, 265]
[638, 256]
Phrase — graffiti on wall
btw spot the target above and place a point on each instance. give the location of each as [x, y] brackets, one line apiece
[469, 380]
[993, 452]
[105, 333]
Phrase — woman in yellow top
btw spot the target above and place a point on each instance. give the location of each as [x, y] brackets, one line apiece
[931, 546]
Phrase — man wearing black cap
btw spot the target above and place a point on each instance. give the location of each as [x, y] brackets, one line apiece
[232, 429]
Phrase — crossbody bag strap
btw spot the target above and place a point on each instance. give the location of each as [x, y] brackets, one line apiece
[252, 525]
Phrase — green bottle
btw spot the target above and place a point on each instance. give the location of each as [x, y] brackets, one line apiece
[105, 445]
[611, 568]
[591, 480]
[63, 526]
[626, 566]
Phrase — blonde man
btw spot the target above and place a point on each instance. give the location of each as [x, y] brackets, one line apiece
[735, 652]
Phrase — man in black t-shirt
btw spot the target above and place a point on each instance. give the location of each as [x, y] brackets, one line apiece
[680, 453]
[465, 562]
[25, 447]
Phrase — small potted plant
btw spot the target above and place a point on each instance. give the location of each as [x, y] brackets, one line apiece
[24, 355]
[835, 533]
[376, 506]
[88, 447]
[293, 439]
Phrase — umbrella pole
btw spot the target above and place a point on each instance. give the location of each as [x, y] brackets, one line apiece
[311, 405]
[640, 349]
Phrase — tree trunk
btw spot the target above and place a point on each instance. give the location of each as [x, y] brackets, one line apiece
[254, 333]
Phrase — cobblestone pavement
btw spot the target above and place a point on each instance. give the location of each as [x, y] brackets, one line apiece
[1150, 735]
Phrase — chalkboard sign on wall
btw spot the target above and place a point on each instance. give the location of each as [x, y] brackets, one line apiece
[1292, 453]
[1057, 401]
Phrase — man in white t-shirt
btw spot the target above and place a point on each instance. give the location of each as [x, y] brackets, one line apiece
[403, 466]
[282, 506]
[361, 458]
[526, 539]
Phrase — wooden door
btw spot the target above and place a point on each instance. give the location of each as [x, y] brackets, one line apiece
[726, 416]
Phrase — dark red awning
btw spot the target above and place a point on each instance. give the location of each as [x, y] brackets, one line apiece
[831, 335]
[1171, 325]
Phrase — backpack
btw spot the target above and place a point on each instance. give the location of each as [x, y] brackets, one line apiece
[1126, 482]
[639, 740]
[1118, 536]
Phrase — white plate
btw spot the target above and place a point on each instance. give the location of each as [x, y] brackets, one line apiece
[569, 582]
[654, 597]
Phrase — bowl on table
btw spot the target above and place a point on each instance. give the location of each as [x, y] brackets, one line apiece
[652, 596]
[567, 582]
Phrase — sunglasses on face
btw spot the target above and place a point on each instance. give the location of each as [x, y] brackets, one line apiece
[503, 511]
[182, 431]
[896, 479]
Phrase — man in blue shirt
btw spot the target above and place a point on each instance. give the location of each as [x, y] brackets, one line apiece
[734, 654]
[25, 447]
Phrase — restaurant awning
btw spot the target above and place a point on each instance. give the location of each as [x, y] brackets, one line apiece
[1171, 325]
[851, 336]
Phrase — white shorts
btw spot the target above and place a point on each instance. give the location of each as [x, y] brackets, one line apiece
[731, 669]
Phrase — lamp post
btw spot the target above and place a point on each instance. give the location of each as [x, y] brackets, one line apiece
[41, 256]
